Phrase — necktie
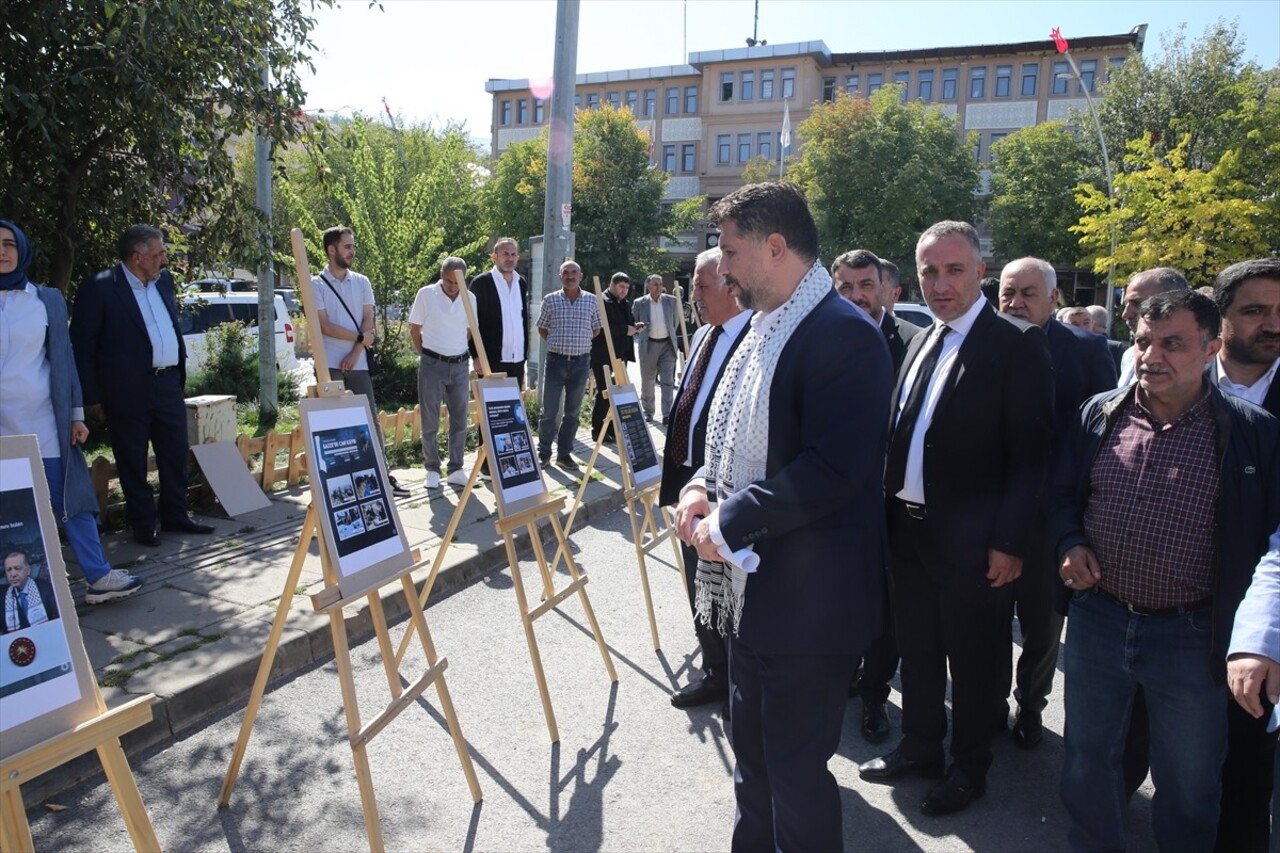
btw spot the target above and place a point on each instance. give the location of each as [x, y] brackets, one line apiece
[682, 419]
[900, 442]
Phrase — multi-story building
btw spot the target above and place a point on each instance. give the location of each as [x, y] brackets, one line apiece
[711, 117]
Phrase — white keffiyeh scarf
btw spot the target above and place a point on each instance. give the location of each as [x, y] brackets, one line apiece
[35, 606]
[738, 437]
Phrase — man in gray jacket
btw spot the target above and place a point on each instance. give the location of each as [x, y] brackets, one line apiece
[655, 315]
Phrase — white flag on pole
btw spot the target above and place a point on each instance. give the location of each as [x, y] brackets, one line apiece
[786, 125]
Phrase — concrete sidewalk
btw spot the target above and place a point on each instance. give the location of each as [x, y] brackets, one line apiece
[195, 634]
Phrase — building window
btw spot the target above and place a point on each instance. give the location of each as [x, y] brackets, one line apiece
[1004, 81]
[726, 86]
[875, 82]
[949, 78]
[828, 89]
[744, 147]
[977, 147]
[593, 101]
[650, 102]
[977, 83]
[766, 85]
[788, 83]
[504, 116]
[577, 102]
[924, 85]
[722, 148]
[539, 110]
[690, 99]
[1030, 76]
[1113, 65]
[633, 101]
[673, 101]
[689, 158]
[995, 137]
[748, 86]
[764, 145]
[852, 82]
[668, 158]
[615, 100]
[903, 80]
[1088, 71]
[522, 111]
[1061, 71]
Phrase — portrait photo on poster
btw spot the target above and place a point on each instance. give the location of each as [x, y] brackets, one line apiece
[36, 672]
[643, 459]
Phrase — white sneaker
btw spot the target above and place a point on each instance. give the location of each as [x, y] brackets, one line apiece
[117, 584]
[457, 478]
[433, 480]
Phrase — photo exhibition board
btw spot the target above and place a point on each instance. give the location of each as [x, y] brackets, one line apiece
[637, 444]
[351, 494]
[46, 680]
[508, 440]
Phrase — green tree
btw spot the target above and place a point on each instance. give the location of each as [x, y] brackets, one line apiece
[517, 191]
[759, 169]
[1034, 173]
[1168, 213]
[116, 112]
[877, 172]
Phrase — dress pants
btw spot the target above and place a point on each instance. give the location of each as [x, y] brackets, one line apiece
[1248, 777]
[158, 417]
[880, 663]
[448, 382]
[946, 613]
[1041, 627]
[715, 657]
[659, 364]
[787, 711]
[600, 411]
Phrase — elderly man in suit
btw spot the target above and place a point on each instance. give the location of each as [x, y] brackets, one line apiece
[725, 324]
[1082, 367]
[787, 516]
[132, 366]
[655, 315]
[966, 470]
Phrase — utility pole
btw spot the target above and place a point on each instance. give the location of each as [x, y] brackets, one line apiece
[268, 392]
[557, 239]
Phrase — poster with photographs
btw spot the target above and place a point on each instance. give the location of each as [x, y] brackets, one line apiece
[349, 490]
[509, 443]
[46, 681]
[637, 444]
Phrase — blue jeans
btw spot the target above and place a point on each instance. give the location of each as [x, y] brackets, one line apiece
[562, 391]
[1110, 652]
[81, 528]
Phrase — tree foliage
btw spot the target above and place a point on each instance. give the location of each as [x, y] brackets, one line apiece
[877, 172]
[618, 211]
[1034, 173]
[120, 112]
[1168, 213]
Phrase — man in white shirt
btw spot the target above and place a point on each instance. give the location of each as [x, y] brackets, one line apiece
[655, 314]
[344, 302]
[1248, 295]
[1142, 286]
[438, 330]
[502, 303]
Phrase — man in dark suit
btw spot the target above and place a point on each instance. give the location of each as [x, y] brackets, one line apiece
[725, 324]
[132, 366]
[966, 470]
[622, 328]
[1082, 367]
[859, 277]
[502, 311]
[788, 519]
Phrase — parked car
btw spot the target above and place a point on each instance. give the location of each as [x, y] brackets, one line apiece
[202, 311]
[218, 284]
[915, 313]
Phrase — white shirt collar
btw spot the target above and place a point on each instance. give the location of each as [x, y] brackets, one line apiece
[1257, 390]
[498, 277]
[962, 324]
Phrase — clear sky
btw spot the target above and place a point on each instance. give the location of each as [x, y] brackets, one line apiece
[430, 58]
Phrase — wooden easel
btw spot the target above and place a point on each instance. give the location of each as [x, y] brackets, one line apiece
[645, 522]
[511, 518]
[331, 601]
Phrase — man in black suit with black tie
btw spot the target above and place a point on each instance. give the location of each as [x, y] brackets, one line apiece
[787, 516]
[1082, 367]
[724, 325]
[502, 311]
[860, 277]
[966, 469]
[132, 366]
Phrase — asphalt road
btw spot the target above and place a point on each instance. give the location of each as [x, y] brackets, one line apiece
[630, 771]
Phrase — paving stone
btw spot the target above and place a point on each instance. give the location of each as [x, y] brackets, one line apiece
[158, 615]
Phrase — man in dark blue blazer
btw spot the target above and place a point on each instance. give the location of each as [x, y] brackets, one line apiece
[1082, 367]
[132, 366]
[791, 541]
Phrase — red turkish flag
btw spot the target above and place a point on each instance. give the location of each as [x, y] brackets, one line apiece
[1058, 41]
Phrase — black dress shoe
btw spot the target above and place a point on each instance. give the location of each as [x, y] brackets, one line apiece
[185, 526]
[704, 692]
[875, 722]
[896, 765]
[953, 793]
[147, 538]
[1028, 730]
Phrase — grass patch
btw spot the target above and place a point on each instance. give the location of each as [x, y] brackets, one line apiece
[115, 678]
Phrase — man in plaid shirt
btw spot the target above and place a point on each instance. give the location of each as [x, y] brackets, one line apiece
[568, 322]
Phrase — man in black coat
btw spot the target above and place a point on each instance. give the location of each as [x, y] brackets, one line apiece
[502, 311]
[967, 462]
[622, 327]
[132, 366]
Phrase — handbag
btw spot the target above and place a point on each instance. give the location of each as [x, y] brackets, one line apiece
[370, 354]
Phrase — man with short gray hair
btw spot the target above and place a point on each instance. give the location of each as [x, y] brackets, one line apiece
[1142, 286]
[655, 314]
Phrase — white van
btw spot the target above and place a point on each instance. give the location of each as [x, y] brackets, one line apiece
[202, 311]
